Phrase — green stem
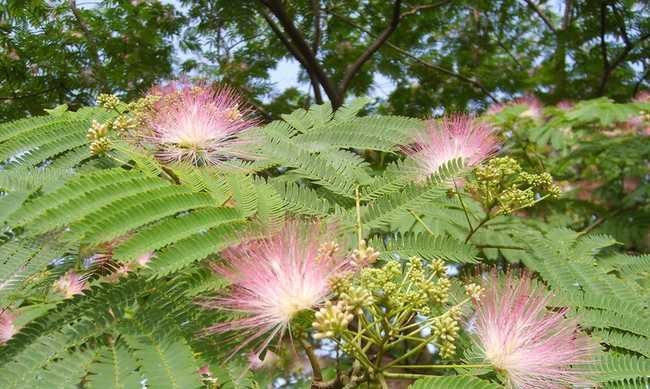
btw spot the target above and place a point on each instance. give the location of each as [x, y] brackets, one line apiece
[313, 360]
[497, 246]
[382, 382]
[421, 222]
[357, 200]
[483, 221]
[361, 354]
[409, 376]
[440, 366]
[462, 204]
[424, 341]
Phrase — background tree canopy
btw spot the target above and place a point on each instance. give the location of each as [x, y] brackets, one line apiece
[466, 54]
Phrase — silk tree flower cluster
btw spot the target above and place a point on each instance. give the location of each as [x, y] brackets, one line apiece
[450, 138]
[276, 278]
[7, 327]
[534, 348]
[527, 107]
[198, 123]
[299, 284]
[195, 123]
[386, 318]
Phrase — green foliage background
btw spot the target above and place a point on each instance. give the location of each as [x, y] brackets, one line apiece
[60, 205]
[446, 55]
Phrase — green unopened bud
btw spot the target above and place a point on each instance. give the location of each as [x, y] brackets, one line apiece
[356, 298]
[364, 255]
[123, 123]
[438, 267]
[107, 101]
[100, 146]
[474, 291]
[445, 329]
[440, 292]
[447, 350]
[97, 131]
[332, 320]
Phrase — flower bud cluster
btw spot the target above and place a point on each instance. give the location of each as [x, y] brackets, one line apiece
[501, 181]
[474, 291]
[332, 320]
[357, 297]
[364, 255]
[416, 286]
[98, 137]
[326, 251]
[108, 101]
[446, 329]
[123, 124]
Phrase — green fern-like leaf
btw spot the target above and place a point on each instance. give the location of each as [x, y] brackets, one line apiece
[621, 340]
[119, 223]
[196, 247]
[454, 382]
[622, 367]
[115, 368]
[174, 229]
[427, 247]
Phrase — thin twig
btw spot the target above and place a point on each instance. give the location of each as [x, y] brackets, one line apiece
[310, 62]
[313, 360]
[542, 15]
[354, 68]
[405, 53]
[421, 222]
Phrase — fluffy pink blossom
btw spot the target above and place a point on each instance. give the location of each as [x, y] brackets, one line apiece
[534, 347]
[450, 138]
[275, 278]
[642, 97]
[7, 328]
[144, 259]
[640, 123]
[533, 104]
[70, 284]
[565, 104]
[198, 123]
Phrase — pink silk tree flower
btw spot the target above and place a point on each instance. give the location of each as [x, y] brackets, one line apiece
[450, 138]
[276, 278]
[642, 97]
[565, 104]
[198, 123]
[70, 284]
[7, 328]
[534, 347]
[535, 107]
[533, 104]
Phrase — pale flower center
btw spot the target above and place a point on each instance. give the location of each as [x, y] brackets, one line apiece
[500, 353]
[291, 305]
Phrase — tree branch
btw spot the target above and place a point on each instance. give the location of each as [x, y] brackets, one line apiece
[294, 52]
[354, 68]
[616, 62]
[417, 8]
[637, 85]
[568, 11]
[315, 46]
[34, 94]
[405, 53]
[92, 42]
[541, 14]
[310, 62]
[603, 47]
